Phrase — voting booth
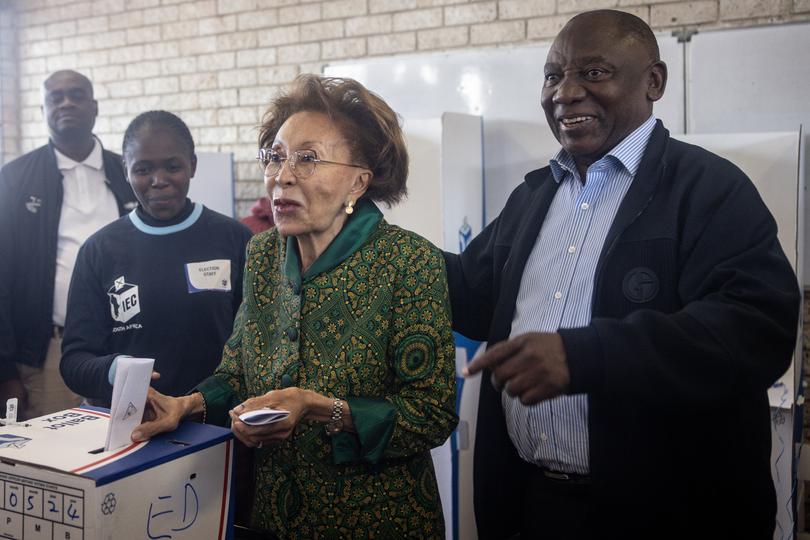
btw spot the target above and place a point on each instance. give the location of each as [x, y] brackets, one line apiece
[445, 205]
[57, 483]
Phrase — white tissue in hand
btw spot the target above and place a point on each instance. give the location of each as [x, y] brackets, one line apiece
[260, 417]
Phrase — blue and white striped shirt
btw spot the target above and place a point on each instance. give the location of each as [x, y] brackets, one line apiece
[557, 288]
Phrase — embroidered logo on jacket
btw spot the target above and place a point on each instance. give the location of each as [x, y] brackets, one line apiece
[124, 302]
[640, 285]
[33, 204]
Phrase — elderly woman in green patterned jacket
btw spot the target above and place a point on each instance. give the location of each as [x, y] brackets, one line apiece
[345, 323]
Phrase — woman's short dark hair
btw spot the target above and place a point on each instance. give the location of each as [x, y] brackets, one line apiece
[368, 124]
[158, 118]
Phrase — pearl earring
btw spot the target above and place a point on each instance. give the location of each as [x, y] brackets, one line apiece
[350, 207]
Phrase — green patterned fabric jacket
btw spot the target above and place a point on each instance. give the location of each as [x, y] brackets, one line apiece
[368, 322]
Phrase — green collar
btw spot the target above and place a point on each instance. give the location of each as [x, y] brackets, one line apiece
[355, 232]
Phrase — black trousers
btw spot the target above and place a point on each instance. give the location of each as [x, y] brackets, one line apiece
[556, 509]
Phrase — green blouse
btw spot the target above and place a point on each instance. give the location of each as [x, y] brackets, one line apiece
[368, 322]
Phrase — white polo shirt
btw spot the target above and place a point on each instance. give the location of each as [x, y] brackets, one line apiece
[87, 205]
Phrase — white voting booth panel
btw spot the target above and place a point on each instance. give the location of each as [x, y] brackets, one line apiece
[57, 483]
[444, 205]
[468, 420]
[213, 184]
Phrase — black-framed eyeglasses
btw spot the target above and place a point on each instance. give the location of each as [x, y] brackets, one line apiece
[301, 162]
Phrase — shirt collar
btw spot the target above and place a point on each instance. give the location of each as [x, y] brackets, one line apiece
[355, 232]
[94, 160]
[627, 153]
[190, 220]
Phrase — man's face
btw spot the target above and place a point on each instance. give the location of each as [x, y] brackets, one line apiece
[598, 87]
[68, 106]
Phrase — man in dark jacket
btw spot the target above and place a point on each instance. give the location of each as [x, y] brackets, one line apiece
[638, 306]
[51, 200]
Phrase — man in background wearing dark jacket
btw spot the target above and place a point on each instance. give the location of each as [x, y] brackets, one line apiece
[637, 305]
[51, 200]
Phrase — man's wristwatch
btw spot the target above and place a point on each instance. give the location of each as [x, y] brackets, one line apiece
[335, 424]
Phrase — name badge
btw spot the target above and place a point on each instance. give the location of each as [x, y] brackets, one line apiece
[209, 276]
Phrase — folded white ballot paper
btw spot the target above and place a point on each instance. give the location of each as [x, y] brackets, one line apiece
[260, 417]
[131, 384]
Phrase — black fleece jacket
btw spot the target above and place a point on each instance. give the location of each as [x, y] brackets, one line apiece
[30, 207]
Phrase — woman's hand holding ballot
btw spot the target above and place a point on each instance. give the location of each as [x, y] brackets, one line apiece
[301, 404]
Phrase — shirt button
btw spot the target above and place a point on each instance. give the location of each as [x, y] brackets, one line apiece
[543, 437]
[557, 295]
[572, 249]
[585, 206]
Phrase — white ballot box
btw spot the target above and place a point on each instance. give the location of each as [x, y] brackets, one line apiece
[57, 483]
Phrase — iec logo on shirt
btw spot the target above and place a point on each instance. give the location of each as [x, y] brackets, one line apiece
[124, 302]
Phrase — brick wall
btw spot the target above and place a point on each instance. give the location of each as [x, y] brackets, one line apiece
[9, 93]
[217, 63]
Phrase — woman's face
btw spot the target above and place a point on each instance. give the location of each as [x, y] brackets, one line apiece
[313, 206]
[159, 166]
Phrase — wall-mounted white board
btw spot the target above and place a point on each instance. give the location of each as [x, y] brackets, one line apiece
[502, 85]
[213, 185]
[749, 79]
